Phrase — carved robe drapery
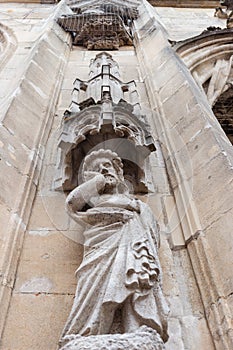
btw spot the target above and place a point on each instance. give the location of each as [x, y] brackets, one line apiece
[120, 267]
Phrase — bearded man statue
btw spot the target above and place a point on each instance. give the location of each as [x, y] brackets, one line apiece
[120, 272]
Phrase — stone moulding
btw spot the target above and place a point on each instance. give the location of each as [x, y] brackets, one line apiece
[209, 57]
[8, 44]
[214, 43]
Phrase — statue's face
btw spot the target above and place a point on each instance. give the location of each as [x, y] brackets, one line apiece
[105, 167]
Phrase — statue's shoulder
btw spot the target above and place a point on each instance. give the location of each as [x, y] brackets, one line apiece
[145, 209]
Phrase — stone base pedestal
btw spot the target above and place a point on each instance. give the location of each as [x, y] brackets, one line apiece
[144, 338]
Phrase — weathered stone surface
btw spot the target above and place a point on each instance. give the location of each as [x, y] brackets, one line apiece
[189, 26]
[220, 241]
[48, 259]
[143, 339]
[47, 213]
[25, 113]
[118, 228]
[38, 327]
[52, 256]
[196, 208]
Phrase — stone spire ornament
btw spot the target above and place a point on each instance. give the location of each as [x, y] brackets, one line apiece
[104, 109]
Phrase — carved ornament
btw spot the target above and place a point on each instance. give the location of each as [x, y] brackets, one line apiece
[101, 25]
[104, 117]
[227, 13]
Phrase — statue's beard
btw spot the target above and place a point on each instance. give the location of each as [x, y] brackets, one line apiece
[111, 182]
[114, 184]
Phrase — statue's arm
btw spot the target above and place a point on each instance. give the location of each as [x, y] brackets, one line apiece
[82, 194]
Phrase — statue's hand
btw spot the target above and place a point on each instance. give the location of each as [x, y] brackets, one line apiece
[95, 177]
[134, 205]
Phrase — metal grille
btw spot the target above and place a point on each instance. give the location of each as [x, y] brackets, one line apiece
[100, 25]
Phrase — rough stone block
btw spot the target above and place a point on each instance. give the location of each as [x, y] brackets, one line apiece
[219, 236]
[175, 83]
[42, 318]
[213, 197]
[174, 105]
[188, 290]
[48, 263]
[9, 177]
[195, 331]
[20, 119]
[48, 213]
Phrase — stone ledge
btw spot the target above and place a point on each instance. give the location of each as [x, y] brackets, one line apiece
[184, 3]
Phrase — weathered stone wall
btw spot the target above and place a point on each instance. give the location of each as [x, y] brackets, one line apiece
[45, 283]
[191, 148]
[30, 85]
[195, 148]
[183, 23]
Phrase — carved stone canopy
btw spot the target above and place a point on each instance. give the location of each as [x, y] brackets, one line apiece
[100, 25]
[104, 120]
[106, 125]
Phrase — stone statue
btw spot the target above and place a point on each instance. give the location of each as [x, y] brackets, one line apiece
[119, 279]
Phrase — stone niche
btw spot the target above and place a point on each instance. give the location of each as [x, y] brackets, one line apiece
[104, 119]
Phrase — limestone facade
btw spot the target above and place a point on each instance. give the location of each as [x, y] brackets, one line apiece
[179, 73]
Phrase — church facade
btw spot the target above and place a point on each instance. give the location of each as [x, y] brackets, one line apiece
[146, 89]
